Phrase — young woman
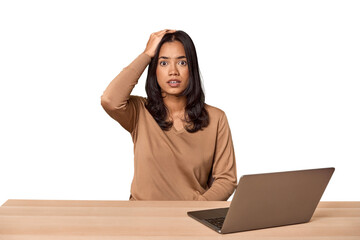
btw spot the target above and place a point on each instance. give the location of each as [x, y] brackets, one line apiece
[183, 148]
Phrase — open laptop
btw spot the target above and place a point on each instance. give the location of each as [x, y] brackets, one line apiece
[269, 200]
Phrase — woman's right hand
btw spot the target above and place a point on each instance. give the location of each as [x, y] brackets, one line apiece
[154, 40]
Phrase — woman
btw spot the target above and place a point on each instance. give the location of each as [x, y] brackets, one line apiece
[182, 147]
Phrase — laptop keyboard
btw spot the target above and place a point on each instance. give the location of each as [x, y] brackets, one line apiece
[218, 222]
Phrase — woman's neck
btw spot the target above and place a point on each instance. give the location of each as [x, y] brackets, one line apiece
[175, 105]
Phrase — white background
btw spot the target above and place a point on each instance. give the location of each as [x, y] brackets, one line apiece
[285, 72]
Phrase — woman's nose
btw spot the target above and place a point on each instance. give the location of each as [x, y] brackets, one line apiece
[173, 70]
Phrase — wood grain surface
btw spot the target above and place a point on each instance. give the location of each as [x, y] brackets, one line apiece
[67, 219]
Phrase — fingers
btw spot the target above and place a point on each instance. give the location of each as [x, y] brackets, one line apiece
[154, 40]
[169, 30]
[163, 32]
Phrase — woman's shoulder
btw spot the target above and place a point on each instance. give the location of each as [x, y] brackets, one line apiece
[214, 112]
[217, 116]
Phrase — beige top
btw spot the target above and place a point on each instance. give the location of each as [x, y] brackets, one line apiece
[171, 165]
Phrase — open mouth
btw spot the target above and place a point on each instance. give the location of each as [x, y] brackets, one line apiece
[174, 83]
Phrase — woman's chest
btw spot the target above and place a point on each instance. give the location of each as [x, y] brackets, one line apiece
[154, 144]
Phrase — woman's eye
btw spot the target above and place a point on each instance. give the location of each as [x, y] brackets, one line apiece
[183, 62]
[163, 63]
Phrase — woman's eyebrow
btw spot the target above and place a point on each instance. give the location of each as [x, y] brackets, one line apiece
[170, 58]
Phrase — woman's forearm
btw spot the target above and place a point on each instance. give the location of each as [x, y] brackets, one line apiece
[118, 91]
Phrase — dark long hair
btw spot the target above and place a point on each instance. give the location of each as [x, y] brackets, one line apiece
[197, 117]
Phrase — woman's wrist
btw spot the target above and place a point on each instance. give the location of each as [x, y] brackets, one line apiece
[148, 54]
[139, 64]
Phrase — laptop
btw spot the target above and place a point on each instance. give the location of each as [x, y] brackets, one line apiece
[269, 200]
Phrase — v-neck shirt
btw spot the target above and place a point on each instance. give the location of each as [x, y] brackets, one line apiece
[173, 164]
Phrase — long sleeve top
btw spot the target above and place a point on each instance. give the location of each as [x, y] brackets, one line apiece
[173, 164]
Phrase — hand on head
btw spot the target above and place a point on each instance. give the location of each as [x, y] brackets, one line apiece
[154, 40]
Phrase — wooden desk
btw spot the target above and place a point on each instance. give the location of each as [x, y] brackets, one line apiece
[46, 219]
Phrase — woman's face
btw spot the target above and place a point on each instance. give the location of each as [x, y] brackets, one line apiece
[172, 70]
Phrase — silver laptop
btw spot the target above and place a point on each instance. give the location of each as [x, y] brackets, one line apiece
[269, 200]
